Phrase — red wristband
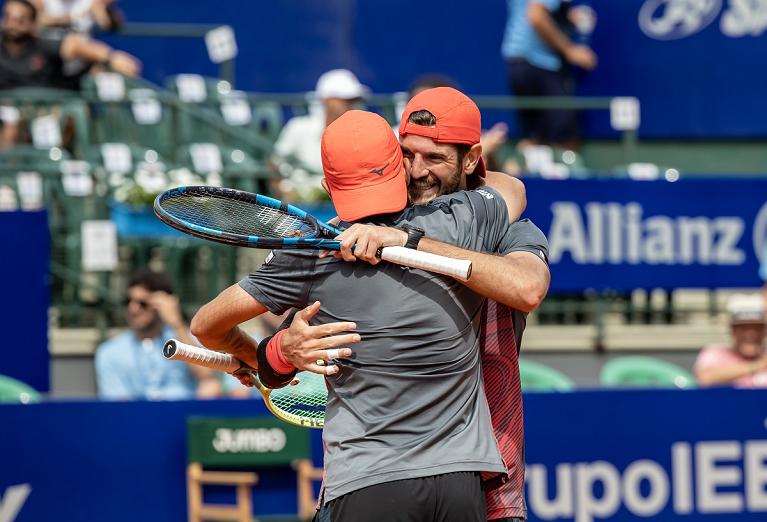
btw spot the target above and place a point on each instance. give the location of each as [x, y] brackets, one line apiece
[275, 357]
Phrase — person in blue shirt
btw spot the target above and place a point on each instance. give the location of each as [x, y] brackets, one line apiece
[131, 365]
[538, 53]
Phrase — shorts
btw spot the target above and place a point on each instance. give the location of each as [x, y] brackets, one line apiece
[552, 126]
[451, 497]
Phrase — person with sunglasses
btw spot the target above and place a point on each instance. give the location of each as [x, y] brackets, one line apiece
[131, 366]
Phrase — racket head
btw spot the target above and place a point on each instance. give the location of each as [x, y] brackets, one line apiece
[242, 218]
[301, 404]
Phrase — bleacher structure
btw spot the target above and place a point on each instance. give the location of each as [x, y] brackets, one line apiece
[87, 150]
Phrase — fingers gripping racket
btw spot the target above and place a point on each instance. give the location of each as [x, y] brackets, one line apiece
[301, 404]
[252, 220]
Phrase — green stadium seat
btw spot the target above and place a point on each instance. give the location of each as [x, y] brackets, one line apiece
[643, 371]
[235, 166]
[135, 113]
[539, 377]
[15, 391]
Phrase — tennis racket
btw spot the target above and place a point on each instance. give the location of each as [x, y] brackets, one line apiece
[245, 219]
[301, 404]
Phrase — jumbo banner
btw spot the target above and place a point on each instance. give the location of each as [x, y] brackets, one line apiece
[623, 234]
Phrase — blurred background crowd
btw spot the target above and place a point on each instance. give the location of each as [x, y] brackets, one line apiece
[617, 107]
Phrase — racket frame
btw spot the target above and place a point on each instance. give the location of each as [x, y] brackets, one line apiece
[178, 351]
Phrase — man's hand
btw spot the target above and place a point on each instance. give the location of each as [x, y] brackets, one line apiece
[167, 306]
[124, 64]
[304, 345]
[581, 56]
[366, 240]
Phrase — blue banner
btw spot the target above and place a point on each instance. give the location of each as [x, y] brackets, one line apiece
[698, 455]
[25, 298]
[647, 455]
[624, 234]
[698, 68]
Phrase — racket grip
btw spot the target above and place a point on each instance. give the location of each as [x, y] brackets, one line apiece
[178, 351]
[458, 268]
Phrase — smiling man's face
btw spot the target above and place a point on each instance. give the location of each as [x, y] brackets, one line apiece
[434, 168]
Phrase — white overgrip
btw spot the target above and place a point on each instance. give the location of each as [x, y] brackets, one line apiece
[458, 268]
[178, 351]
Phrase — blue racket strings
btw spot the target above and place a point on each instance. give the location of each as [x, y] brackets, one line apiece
[236, 217]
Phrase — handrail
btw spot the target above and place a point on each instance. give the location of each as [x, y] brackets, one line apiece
[177, 30]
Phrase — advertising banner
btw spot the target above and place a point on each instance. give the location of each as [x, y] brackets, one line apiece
[693, 455]
[623, 234]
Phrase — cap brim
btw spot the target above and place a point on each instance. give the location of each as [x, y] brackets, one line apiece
[382, 198]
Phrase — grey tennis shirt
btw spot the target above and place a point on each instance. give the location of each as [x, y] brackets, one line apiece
[410, 402]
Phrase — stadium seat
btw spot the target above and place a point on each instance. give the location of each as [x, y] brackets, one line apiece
[307, 476]
[539, 377]
[642, 371]
[197, 477]
[237, 168]
[15, 391]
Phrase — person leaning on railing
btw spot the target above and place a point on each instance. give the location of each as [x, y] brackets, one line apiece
[743, 362]
[27, 60]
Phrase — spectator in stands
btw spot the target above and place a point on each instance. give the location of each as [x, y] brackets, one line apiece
[27, 60]
[744, 363]
[82, 16]
[59, 17]
[9, 129]
[298, 144]
[538, 52]
[131, 365]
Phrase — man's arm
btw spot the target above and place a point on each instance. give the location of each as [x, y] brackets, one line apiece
[169, 309]
[77, 46]
[519, 279]
[513, 191]
[216, 324]
[542, 22]
[728, 373]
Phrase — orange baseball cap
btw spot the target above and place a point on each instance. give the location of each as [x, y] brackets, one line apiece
[458, 118]
[362, 161]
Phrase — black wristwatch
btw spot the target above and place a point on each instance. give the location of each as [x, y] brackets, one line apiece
[414, 235]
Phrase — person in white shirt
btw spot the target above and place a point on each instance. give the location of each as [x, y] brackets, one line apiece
[297, 149]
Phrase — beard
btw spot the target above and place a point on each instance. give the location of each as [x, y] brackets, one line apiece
[15, 37]
[423, 190]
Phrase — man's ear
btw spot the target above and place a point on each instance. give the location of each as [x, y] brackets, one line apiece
[325, 185]
[471, 158]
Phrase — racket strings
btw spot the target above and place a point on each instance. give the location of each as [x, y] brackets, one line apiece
[306, 399]
[237, 217]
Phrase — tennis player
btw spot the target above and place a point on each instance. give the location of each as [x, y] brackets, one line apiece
[407, 434]
[435, 138]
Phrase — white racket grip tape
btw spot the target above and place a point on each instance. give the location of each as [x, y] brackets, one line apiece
[458, 268]
[178, 351]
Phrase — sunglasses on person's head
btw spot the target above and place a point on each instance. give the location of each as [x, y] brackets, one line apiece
[141, 302]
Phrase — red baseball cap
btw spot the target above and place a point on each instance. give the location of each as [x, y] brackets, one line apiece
[362, 161]
[458, 118]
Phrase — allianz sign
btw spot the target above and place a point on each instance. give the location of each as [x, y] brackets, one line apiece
[616, 233]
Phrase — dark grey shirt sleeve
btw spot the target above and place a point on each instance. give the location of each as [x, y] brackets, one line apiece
[524, 236]
[283, 281]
